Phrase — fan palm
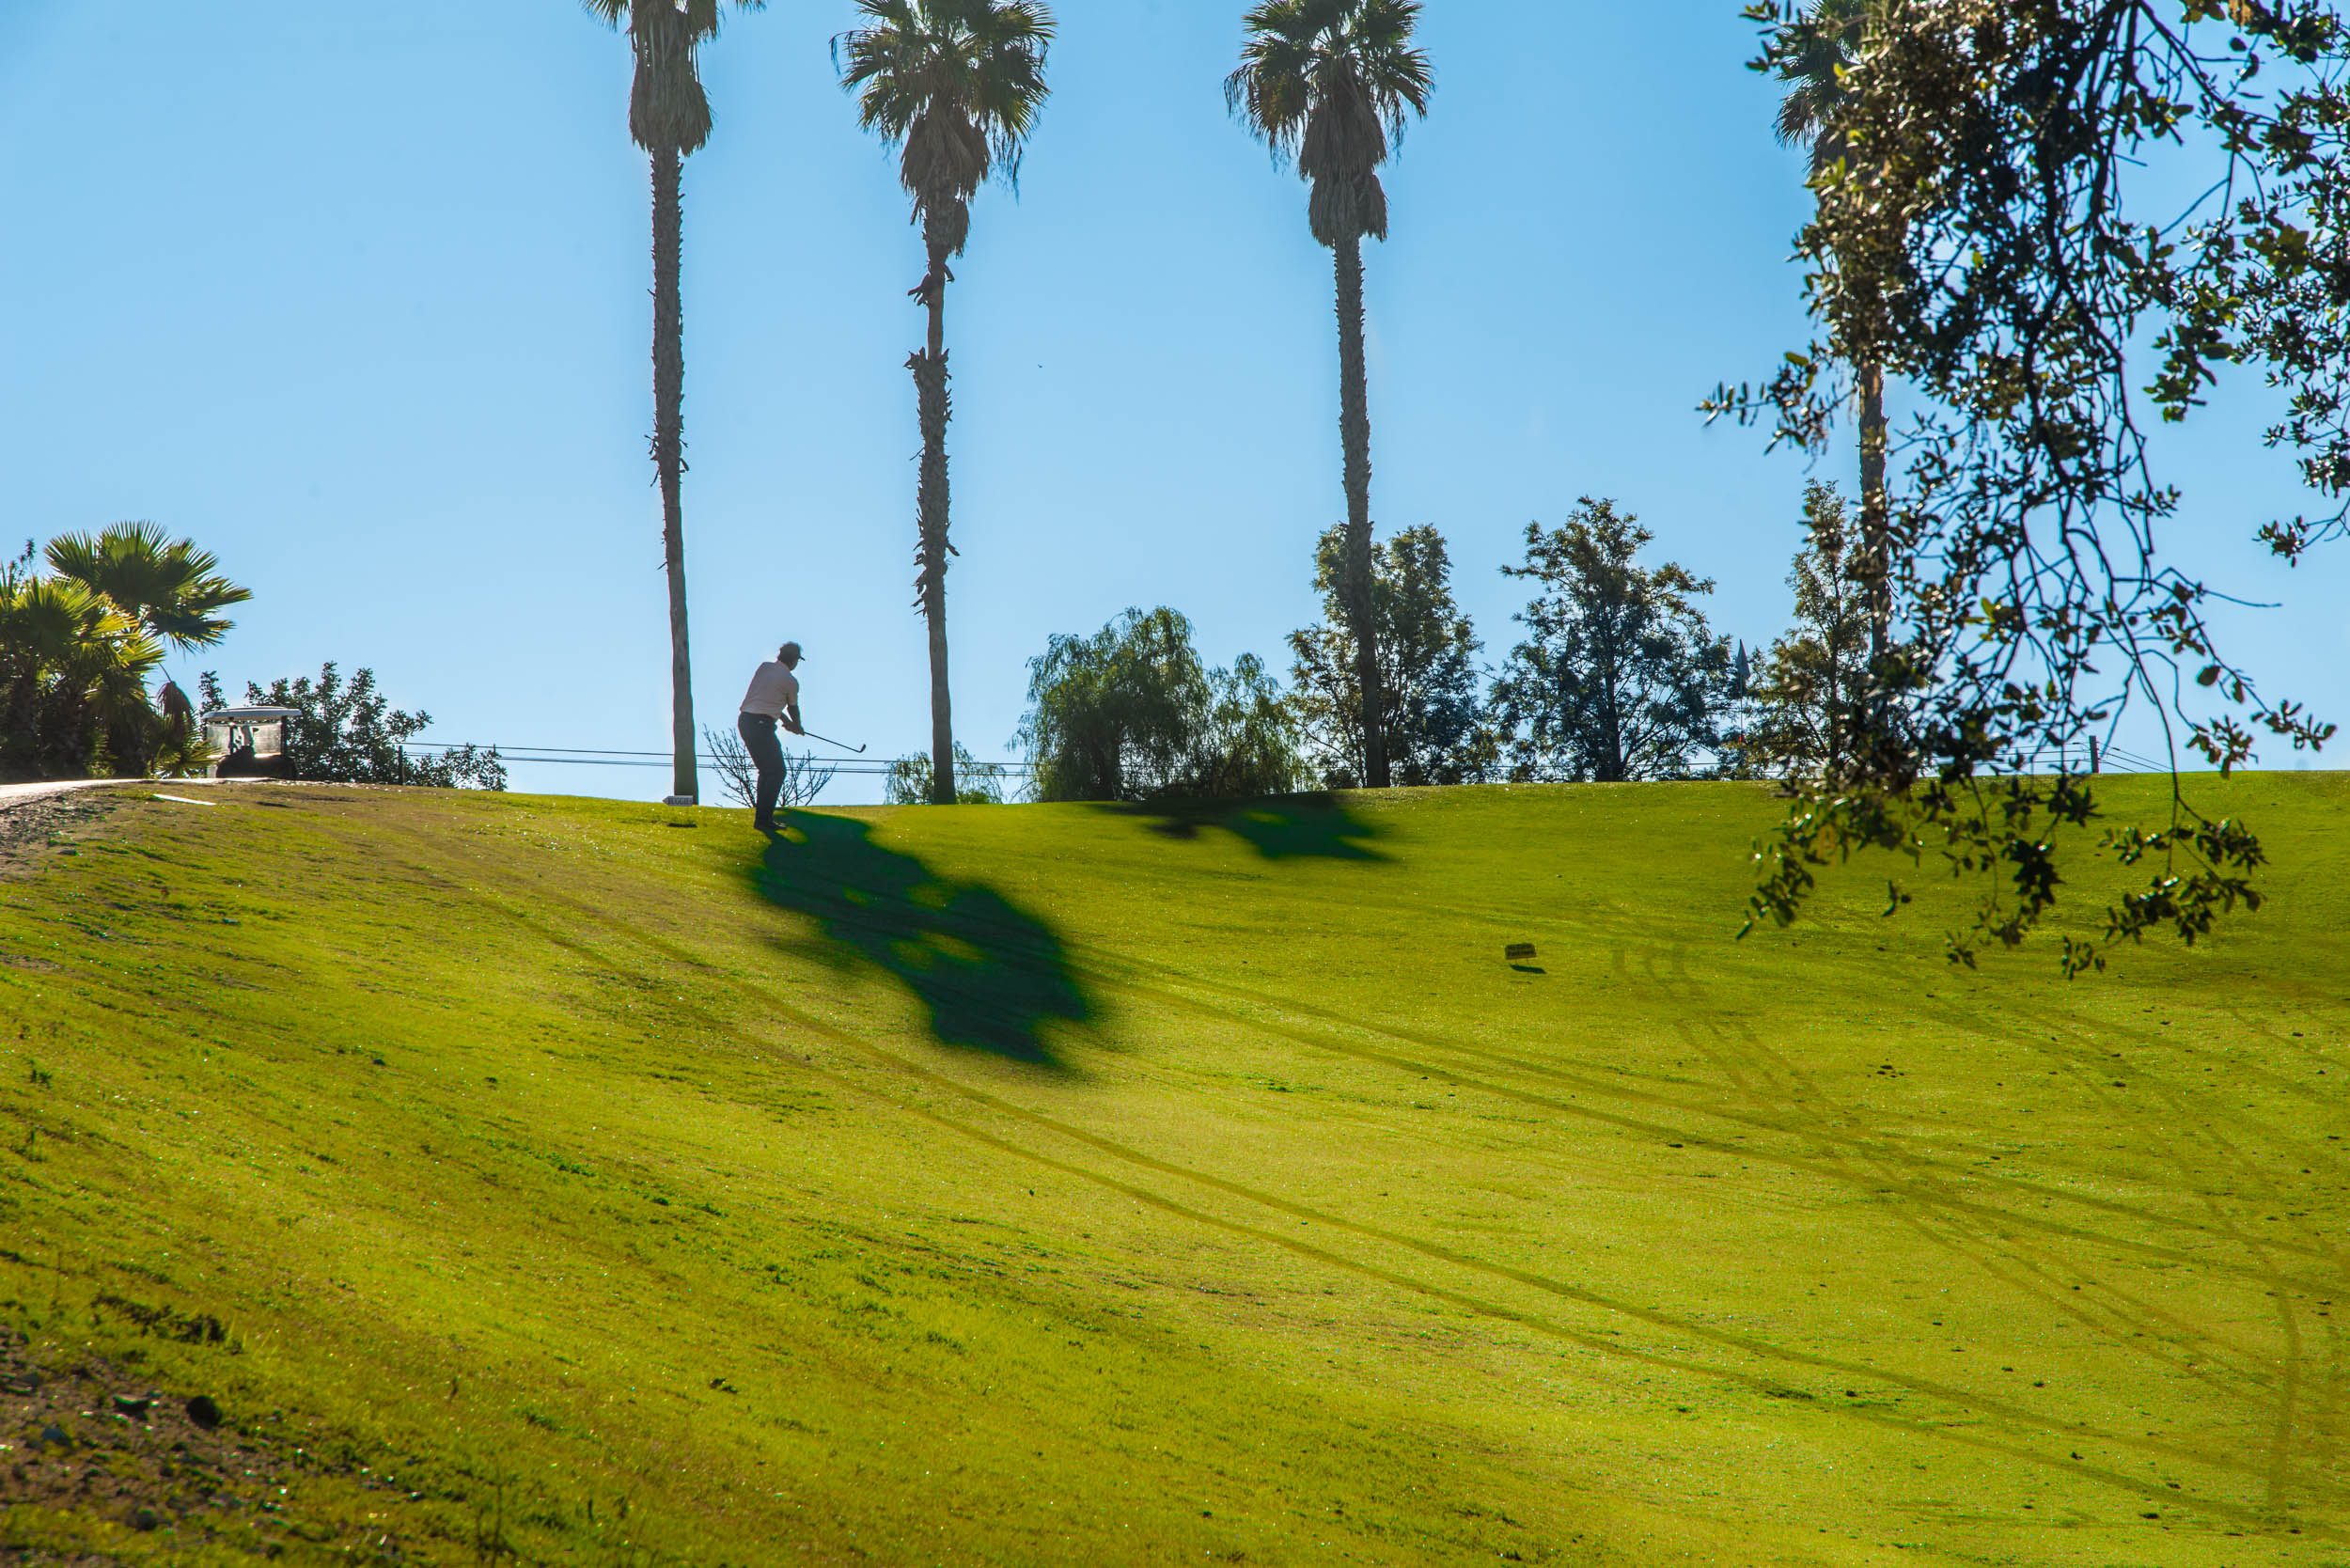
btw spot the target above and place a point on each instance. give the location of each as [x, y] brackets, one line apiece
[956, 86]
[165, 585]
[669, 115]
[73, 681]
[1813, 58]
[1327, 83]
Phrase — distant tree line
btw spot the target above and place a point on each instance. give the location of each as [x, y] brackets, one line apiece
[1618, 679]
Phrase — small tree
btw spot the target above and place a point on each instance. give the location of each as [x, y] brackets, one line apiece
[1620, 677]
[1131, 714]
[346, 732]
[1436, 730]
[914, 782]
[804, 778]
[1806, 699]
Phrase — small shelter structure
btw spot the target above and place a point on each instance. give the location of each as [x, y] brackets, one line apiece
[250, 741]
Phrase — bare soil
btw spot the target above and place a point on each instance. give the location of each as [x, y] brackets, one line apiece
[32, 831]
[94, 1439]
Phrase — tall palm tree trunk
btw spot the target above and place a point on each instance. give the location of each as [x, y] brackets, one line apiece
[668, 452]
[1354, 436]
[929, 382]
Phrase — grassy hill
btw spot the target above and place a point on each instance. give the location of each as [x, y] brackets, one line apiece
[561, 1181]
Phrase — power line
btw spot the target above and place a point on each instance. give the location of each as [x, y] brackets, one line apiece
[613, 757]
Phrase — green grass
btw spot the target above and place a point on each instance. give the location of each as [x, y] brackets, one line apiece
[1060, 1185]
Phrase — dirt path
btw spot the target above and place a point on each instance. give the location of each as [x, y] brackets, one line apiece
[19, 794]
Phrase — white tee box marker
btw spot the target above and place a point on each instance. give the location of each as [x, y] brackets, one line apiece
[185, 801]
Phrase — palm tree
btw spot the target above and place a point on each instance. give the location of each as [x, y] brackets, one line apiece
[1327, 83]
[669, 115]
[74, 672]
[167, 586]
[1818, 50]
[956, 86]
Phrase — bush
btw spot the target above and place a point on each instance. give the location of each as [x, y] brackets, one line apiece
[804, 778]
[1131, 714]
[977, 783]
[78, 641]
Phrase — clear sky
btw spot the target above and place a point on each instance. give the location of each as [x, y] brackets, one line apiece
[356, 296]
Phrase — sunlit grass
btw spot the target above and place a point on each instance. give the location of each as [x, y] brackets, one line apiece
[1061, 1184]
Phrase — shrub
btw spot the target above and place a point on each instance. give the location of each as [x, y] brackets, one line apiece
[977, 783]
[804, 778]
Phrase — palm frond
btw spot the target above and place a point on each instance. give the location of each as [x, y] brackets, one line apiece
[667, 109]
[1814, 55]
[167, 586]
[1333, 83]
[955, 84]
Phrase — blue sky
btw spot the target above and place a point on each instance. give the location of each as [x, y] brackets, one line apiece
[356, 296]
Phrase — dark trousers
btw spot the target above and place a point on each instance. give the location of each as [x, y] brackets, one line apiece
[758, 739]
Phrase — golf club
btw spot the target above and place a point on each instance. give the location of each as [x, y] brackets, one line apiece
[854, 750]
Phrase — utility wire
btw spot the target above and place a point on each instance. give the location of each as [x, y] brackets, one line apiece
[607, 757]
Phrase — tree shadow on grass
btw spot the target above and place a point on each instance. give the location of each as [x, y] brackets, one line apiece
[1285, 827]
[991, 974]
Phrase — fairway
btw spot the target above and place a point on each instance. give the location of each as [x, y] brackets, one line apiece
[565, 1180]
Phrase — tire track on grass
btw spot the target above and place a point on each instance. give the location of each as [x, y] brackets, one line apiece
[2174, 1335]
[2298, 1420]
[1946, 1222]
[2315, 1423]
[676, 951]
[2036, 1274]
[1744, 1345]
[1604, 1088]
[2324, 1419]
[2019, 1267]
[1662, 1132]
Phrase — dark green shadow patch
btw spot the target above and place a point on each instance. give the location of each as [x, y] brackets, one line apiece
[991, 974]
[1285, 827]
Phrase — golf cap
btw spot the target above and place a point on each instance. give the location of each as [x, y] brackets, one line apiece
[789, 650]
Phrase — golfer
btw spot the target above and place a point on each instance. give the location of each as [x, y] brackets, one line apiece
[774, 698]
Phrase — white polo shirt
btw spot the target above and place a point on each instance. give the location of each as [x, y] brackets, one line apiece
[773, 689]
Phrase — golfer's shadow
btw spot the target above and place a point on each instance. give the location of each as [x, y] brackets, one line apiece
[991, 974]
[1282, 827]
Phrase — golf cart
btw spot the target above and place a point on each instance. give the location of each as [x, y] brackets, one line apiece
[250, 741]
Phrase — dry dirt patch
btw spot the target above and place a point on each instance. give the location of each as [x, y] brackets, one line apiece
[94, 1439]
[34, 831]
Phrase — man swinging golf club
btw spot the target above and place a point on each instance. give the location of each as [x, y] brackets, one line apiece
[774, 698]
